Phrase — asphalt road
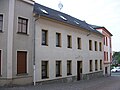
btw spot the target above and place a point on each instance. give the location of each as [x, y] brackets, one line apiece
[103, 83]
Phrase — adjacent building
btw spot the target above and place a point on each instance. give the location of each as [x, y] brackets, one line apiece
[107, 48]
[59, 46]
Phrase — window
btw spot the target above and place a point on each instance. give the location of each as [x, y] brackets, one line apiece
[44, 37]
[104, 56]
[90, 44]
[100, 46]
[79, 43]
[69, 68]
[1, 22]
[21, 62]
[96, 46]
[58, 68]
[58, 39]
[106, 41]
[96, 65]
[44, 69]
[22, 25]
[90, 64]
[100, 64]
[69, 40]
[0, 62]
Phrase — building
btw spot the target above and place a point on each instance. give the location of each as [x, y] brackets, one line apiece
[65, 48]
[16, 41]
[107, 48]
[59, 46]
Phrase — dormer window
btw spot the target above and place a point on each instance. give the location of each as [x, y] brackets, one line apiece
[44, 11]
[63, 17]
[76, 22]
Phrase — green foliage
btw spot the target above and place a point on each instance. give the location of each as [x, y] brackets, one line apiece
[116, 56]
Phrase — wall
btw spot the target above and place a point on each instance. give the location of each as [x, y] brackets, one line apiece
[53, 53]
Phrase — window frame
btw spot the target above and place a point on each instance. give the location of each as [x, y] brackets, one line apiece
[44, 37]
[2, 26]
[0, 62]
[58, 68]
[69, 41]
[46, 69]
[100, 46]
[90, 45]
[96, 65]
[58, 39]
[21, 31]
[69, 67]
[101, 64]
[79, 42]
[90, 65]
[96, 46]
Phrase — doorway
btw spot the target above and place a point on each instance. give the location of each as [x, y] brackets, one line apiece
[79, 70]
[106, 70]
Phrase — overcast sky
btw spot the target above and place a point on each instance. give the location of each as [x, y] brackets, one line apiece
[97, 12]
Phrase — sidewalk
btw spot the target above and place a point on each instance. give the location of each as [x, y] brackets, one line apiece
[104, 83]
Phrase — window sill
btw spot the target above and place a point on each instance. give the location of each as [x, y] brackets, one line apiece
[23, 33]
[69, 74]
[22, 74]
[58, 75]
[1, 31]
[44, 44]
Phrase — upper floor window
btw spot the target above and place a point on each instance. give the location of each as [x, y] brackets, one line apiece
[79, 43]
[100, 46]
[22, 25]
[69, 40]
[58, 39]
[90, 44]
[95, 45]
[44, 37]
[1, 22]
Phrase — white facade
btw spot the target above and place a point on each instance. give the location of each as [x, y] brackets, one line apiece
[51, 53]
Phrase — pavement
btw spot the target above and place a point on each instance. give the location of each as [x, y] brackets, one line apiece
[103, 83]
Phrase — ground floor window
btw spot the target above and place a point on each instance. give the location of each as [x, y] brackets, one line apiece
[90, 65]
[96, 65]
[0, 62]
[69, 68]
[58, 68]
[100, 64]
[44, 69]
[21, 62]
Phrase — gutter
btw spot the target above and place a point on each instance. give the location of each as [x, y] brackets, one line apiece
[34, 58]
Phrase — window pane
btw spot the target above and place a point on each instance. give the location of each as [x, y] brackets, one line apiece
[1, 22]
[44, 69]
[58, 70]
[22, 25]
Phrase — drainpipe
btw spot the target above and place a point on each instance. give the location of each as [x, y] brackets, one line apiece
[34, 68]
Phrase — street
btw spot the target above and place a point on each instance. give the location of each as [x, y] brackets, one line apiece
[103, 83]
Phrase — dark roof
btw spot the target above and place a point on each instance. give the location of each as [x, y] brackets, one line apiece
[101, 27]
[62, 17]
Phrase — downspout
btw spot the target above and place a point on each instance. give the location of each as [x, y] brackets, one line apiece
[34, 68]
